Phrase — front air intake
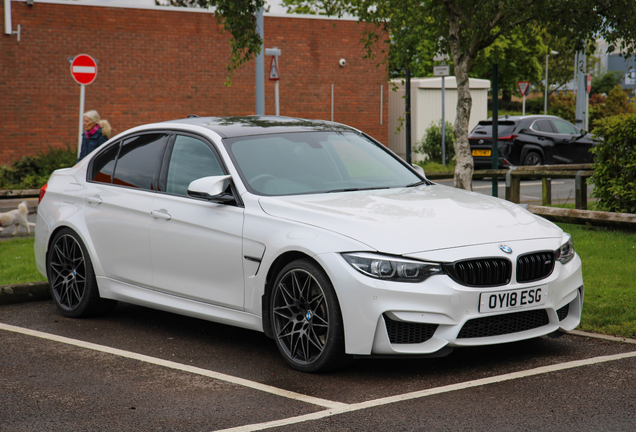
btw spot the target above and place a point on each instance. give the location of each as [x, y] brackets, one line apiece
[483, 272]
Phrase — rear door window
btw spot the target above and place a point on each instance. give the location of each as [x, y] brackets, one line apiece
[139, 161]
[543, 126]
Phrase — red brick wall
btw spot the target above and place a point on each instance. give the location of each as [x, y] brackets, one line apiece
[156, 65]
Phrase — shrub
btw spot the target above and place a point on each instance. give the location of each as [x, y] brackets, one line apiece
[563, 105]
[31, 172]
[615, 166]
[534, 106]
[431, 144]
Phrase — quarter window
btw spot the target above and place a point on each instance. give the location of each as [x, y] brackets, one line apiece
[104, 165]
[191, 159]
[139, 161]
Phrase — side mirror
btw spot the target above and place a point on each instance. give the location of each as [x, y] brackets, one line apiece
[215, 189]
[419, 169]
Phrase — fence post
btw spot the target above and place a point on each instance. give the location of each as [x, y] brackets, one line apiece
[513, 187]
[580, 191]
[546, 191]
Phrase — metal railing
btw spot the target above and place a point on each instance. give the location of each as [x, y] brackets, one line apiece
[580, 173]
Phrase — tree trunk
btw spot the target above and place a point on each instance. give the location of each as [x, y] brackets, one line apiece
[462, 58]
[464, 166]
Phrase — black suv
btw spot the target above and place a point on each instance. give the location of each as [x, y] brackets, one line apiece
[530, 140]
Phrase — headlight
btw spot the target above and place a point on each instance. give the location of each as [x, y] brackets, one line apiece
[566, 252]
[391, 268]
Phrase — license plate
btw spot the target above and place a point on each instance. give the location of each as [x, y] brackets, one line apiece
[513, 299]
[481, 152]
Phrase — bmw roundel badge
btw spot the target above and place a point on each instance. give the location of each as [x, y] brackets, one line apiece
[505, 248]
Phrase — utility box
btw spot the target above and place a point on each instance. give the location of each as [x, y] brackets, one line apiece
[426, 108]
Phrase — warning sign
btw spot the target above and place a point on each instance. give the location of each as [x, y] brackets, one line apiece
[273, 70]
[524, 86]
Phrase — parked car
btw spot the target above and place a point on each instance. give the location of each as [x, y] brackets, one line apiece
[531, 140]
[309, 231]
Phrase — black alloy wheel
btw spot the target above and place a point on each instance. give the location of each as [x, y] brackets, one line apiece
[532, 159]
[71, 277]
[306, 318]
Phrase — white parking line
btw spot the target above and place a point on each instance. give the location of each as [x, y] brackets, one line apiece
[333, 408]
[429, 392]
[177, 366]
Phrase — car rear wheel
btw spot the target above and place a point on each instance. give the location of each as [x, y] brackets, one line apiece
[306, 319]
[71, 277]
[533, 158]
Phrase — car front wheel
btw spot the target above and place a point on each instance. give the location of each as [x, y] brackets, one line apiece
[70, 273]
[306, 319]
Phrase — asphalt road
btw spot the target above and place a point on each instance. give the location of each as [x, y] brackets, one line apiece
[140, 369]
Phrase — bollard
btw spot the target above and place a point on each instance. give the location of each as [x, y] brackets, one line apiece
[546, 191]
[580, 191]
[513, 187]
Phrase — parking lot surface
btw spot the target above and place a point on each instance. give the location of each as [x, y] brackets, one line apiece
[142, 369]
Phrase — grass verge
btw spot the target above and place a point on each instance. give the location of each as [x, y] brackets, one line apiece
[609, 273]
[17, 262]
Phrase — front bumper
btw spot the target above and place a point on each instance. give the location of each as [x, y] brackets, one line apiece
[439, 312]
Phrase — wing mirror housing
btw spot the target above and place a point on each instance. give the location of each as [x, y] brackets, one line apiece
[418, 169]
[215, 189]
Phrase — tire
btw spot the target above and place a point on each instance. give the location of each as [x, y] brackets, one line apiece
[306, 319]
[533, 158]
[72, 279]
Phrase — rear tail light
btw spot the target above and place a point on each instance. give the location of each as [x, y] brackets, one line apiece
[508, 138]
[42, 192]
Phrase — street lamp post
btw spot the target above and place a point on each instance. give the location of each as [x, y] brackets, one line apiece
[545, 91]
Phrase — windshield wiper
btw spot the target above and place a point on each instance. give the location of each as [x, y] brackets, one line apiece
[358, 189]
[419, 183]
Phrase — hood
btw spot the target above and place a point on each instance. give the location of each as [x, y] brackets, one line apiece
[405, 221]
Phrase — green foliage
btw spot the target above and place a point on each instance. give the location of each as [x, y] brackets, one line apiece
[32, 172]
[535, 106]
[615, 167]
[606, 82]
[516, 55]
[431, 144]
[563, 105]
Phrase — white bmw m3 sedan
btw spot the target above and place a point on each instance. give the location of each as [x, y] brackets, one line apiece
[309, 231]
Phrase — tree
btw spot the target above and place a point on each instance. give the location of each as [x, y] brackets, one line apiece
[468, 27]
[517, 56]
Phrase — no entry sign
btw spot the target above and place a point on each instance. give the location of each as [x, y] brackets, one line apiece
[83, 69]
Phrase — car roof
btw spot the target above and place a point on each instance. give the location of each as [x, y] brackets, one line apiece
[229, 127]
[524, 117]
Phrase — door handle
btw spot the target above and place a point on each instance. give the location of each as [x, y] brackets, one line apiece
[161, 214]
[94, 199]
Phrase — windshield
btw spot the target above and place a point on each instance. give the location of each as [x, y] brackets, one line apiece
[315, 162]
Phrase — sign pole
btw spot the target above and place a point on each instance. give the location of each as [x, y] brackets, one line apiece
[443, 71]
[276, 97]
[524, 105]
[443, 119]
[81, 119]
[274, 75]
